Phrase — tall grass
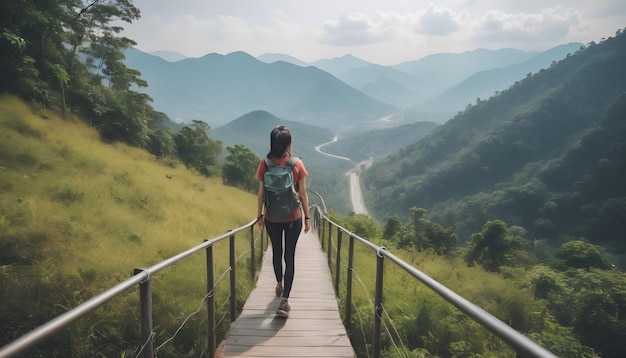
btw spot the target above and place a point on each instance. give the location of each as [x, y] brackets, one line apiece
[74, 208]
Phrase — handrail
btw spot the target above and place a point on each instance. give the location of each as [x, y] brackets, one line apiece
[142, 277]
[523, 345]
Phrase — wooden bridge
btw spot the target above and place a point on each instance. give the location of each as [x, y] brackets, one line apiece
[314, 327]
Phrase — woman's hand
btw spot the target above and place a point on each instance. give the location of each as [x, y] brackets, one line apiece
[307, 225]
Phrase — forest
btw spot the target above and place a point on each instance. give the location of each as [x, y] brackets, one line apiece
[546, 154]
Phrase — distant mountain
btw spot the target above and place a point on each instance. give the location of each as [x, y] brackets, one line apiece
[340, 65]
[384, 83]
[274, 57]
[429, 85]
[484, 84]
[547, 155]
[218, 88]
[253, 130]
[170, 56]
[438, 72]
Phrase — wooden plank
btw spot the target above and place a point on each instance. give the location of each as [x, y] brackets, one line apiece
[267, 351]
[314, 327]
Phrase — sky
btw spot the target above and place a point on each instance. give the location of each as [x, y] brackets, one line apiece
[385, 32]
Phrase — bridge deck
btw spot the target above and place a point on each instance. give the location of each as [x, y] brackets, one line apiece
[314, 327]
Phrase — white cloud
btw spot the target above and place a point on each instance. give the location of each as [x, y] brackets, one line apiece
[548, 25]
[438, 21]
[356, 29]
[377, 31]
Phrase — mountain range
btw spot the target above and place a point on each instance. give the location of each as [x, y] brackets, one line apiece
[344, 93]
[547, 155]
[219, 88]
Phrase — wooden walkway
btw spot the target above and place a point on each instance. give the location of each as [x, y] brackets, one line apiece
[314, 327]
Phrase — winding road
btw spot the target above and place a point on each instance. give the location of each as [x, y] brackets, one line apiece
[356, 195]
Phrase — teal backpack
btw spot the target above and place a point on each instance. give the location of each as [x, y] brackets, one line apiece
[281, 198]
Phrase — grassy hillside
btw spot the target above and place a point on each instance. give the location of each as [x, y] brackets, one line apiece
[77, 215]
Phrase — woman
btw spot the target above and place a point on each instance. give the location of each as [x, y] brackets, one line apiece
[279, 154]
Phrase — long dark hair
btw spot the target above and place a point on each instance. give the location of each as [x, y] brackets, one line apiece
[280, 139]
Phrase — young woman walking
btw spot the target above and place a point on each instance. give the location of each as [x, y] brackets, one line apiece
[287, 230]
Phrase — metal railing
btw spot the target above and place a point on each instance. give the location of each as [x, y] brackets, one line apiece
[523, 346]
[143, 278]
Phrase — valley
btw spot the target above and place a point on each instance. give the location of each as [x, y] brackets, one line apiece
[356, 195]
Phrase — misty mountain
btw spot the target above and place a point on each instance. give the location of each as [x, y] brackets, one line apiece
[440, 85]
[340, 65]
[547, 154]
[397, 87]
[275, 57]
[217, 88]
[439, 72]
[484, 84]
[169, 56]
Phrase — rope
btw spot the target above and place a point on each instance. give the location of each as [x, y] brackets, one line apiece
[209, 294]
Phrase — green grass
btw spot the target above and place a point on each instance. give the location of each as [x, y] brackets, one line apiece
[74, 208]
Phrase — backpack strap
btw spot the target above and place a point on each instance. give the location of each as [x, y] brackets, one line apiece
[292, 161]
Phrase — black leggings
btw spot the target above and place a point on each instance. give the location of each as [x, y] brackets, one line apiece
[291, 232]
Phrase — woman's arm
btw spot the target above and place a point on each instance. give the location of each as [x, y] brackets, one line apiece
[260, 197]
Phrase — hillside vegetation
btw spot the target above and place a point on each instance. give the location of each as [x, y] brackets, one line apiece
[77, 215]
[546, 154]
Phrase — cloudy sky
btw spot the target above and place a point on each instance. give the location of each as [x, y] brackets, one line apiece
[386, 32]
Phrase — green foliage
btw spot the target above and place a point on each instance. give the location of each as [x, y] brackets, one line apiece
[493, 247]
[420, 233]
[196, 149]
[239, 168]
[572, 313]
[579, 254]
[68, 55]
[392, 228]
[360, 224]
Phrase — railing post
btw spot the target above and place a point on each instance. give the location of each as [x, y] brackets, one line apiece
[329, 253]
[233, 280]
[263, 242]
[378, 305]
[145, 299]
[252, 255]
[338, 263]
[348, 322]
[210, 302]
[322, 232]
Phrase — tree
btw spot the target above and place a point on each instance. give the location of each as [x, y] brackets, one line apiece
[493, 247]
[196, 149]
[442, 239]
[580, 254]
[239, 168]
[392, 228]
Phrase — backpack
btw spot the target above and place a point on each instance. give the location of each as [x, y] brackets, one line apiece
[281, 198]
